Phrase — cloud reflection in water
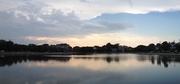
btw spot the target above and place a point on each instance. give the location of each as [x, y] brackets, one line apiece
[88, 69]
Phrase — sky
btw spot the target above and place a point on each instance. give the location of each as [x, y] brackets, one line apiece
[90, 22]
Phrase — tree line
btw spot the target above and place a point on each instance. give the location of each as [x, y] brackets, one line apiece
[159, 47]
[9, 46]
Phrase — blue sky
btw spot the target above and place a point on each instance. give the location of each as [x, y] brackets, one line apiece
[90, 22]
[152, 24]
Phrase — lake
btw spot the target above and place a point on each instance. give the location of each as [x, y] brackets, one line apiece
[90, 69]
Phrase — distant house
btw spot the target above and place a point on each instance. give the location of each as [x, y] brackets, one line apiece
[157, 47]
[124, 48]
[111, 48]
[121, 48]
[173, 48]
[114, 49]
[64, 47]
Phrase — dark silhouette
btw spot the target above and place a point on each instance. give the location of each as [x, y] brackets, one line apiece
[141, 48]
[9, 46]
[177, 46]
[158, 60]
[108, 48]
[151, 47]
[165, 46]
[10, 60]
[165, 60]
[152, 59]
[108, 59]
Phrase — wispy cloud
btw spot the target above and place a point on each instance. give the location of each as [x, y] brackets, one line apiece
[130, 3]
[45, 21]
[85, 9]
[85, 1]
[70, 18]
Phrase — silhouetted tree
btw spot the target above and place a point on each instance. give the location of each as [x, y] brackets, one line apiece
[87, 49]
[178, 47]
[165, 46]
[141, 48]
[151, 47]
[32, 48]
[99, 49]
[76, 49]
[9, 46]
[158, 47]
[44, 47]
[108, 47]
[6, 45]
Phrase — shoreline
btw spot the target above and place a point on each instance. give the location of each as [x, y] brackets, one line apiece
[36, 53]
[164, 54]
[79, 53]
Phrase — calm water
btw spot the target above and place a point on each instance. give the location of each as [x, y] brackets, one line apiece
[90, 69]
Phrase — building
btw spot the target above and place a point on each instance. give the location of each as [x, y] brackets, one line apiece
[124, 48]
[172, 48]
[64, 47]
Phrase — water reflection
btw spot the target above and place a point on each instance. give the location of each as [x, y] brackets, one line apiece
[89, 69]
[154, 59]
[10, 60]
[165, 60]
[107, 59]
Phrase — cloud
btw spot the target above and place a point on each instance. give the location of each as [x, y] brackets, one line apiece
[88, 9]
[115, 26]
[85, 1]
[130, 3]
[55, 24]
[32, 20]
[22, 19]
